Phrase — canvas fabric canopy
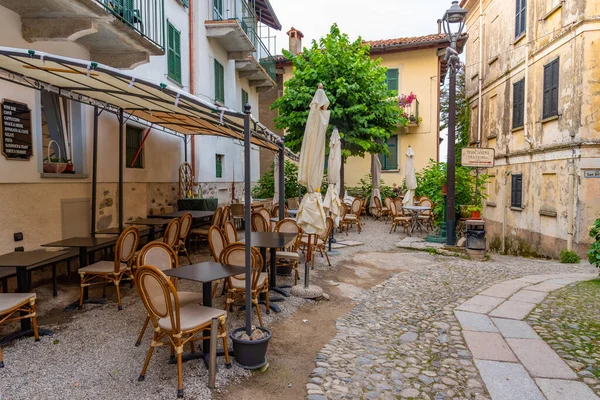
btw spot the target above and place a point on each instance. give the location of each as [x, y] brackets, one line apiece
[311, 216]
[332, 201]
[411, 179]
[375, 178]
[159, 105]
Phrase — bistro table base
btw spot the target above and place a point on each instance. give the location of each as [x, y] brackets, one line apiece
[75, 305]
[281, 290]
[21, 334]
[201, 355]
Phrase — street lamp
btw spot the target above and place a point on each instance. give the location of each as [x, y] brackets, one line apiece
[454, 23]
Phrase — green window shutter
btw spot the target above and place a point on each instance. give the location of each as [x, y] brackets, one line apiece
[244, 98]
[554, 88]
[383, 161]
[177, 54]
[391, 79]
[186, 2]
[219, 82]
[392, 159]
[219, 165]
[133, 140]
[173, 53]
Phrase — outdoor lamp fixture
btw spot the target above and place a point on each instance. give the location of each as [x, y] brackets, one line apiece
[454, 23]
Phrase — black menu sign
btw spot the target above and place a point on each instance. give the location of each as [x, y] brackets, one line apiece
[16, 130]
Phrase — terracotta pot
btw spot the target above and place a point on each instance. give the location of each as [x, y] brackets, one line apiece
[70, 168]
[445, 190]
[475, 214]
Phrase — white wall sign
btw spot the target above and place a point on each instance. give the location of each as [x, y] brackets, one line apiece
[591, 173]
[477, 157]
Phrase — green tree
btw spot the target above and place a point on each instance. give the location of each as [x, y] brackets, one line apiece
[362, 108]
[463, 113]
[265, 187]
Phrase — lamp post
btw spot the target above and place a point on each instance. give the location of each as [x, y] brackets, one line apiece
[453, 23]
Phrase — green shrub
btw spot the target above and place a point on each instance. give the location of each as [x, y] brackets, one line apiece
[568, 257]
[365, 189]
[265, 187]
[594, 252]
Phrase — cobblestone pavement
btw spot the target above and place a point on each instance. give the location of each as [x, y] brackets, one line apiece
[569, 321]
[402, 340]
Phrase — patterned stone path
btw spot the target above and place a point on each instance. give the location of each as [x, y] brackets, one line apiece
[514, 362]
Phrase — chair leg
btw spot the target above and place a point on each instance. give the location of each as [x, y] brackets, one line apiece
[187, 254]
[223, 330]
[179, 369]
[120, 307]
[36, 334]
[327, 257]
[54, 283]
[104, 289]
[81, 292]
[1, 359]
[4, 286]
[392, 227]
[214, 289]
[255, 302]
[296, 273]
[148, 356]
[69, 270]
[141, 335]
[267, 300]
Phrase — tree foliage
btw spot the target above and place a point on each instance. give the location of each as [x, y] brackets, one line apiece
[362, 107]
[463, 113]
[265, 187]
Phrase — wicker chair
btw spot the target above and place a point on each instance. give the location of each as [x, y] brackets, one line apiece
[387, 210]
[289, 257]
[171, 235]
[225, 216]
[354, 216]
[259, 223]
[267, 216]
[197, 234]
[163, 257]
[237, 214]
[184, 230]
[427, 217]
[112, 271]
[399, 218]
[217, 242]
[230, 232]
[319, 242]
[343, 224]
[235, 254]
[15, 307]
[293, 203]
[175, 324]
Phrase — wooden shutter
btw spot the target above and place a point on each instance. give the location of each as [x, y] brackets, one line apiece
[219, 165]
[244, 99]
[170, 50]
[177, 55]
[516, 191]
[550, 98]
[219, 82]
[392, 79]
[392, 159]
[186, 2]
[554, 88]
[518, 103]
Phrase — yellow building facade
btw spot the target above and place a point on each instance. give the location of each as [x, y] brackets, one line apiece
[532, 79]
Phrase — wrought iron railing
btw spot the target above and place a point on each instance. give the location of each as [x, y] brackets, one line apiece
[146, 17]
[243, 12]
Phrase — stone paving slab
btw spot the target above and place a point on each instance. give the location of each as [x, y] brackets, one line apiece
[511, 328]
[504, 290]
[558, 389]
[564, 281]
[529, 296]
[337, 245]
[536, 278]
[488, 346]
[475, 322]
[508, 381]
[546, 287]
[513, 309]
[350, 243]
[480, 304]
[540, 360]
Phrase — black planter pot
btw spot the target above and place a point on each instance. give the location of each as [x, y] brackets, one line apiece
[250, 354]
[284, 271]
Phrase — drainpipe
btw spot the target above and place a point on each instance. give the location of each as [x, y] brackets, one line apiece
[479, 102]
[570, 207]
[192, 79]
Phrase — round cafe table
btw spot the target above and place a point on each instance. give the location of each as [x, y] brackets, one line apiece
[416, 211]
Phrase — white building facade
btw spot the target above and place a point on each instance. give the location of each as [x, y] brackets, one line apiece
[151, 39]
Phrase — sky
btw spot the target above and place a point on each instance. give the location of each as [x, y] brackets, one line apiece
[371, 20]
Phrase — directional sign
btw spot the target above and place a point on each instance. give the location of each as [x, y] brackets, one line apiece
[477, 157]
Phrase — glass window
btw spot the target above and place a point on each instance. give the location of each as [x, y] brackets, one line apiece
[218, 10]
[219, 165]
[174, 53]
[133, 142]
[550, 101]
[518, 103]
[520, 17]
[390, 162]
[391, 79]
[219, 82]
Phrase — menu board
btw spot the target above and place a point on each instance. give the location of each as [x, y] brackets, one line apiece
[16, 130]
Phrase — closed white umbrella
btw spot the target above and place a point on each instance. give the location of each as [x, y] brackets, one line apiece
[375, 178]
[411, 179]
[276, 179]
[311, 217]
[332, 200]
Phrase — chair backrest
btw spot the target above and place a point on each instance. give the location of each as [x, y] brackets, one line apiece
[186, 225]
[275, 210]
[216, 219]
[126, 246]
[329, 227]
[377, 201]
[159, 255]
[425, 202]
[393, 209]
[356, 205]
[226, 215]
[399, 206]
[259, 223]
[237, 210]
[159, 296]
[343, 211]
[171, 236]
[293, 203]
[266, 215]
[235, 254]
[216, 241]
[230, 232]
[388, 201]
[290, 226]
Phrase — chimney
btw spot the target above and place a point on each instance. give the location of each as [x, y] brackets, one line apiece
[439, 21]
[295, 40]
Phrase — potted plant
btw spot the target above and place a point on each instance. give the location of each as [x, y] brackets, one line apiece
[251, 351]
[70, 168]
[475, 212]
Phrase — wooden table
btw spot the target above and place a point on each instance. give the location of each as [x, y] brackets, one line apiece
[117, 231]
[206, 272]
[22, 260]
[152, 223]
[199, 217]
[272, 241]
[85, 245]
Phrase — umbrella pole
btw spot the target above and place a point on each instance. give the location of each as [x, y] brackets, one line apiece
[247, 226]
[307, 262]
[95, 171]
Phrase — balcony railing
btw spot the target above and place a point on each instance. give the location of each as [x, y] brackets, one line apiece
[243, 12]
[410, 105]
[146, 17]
